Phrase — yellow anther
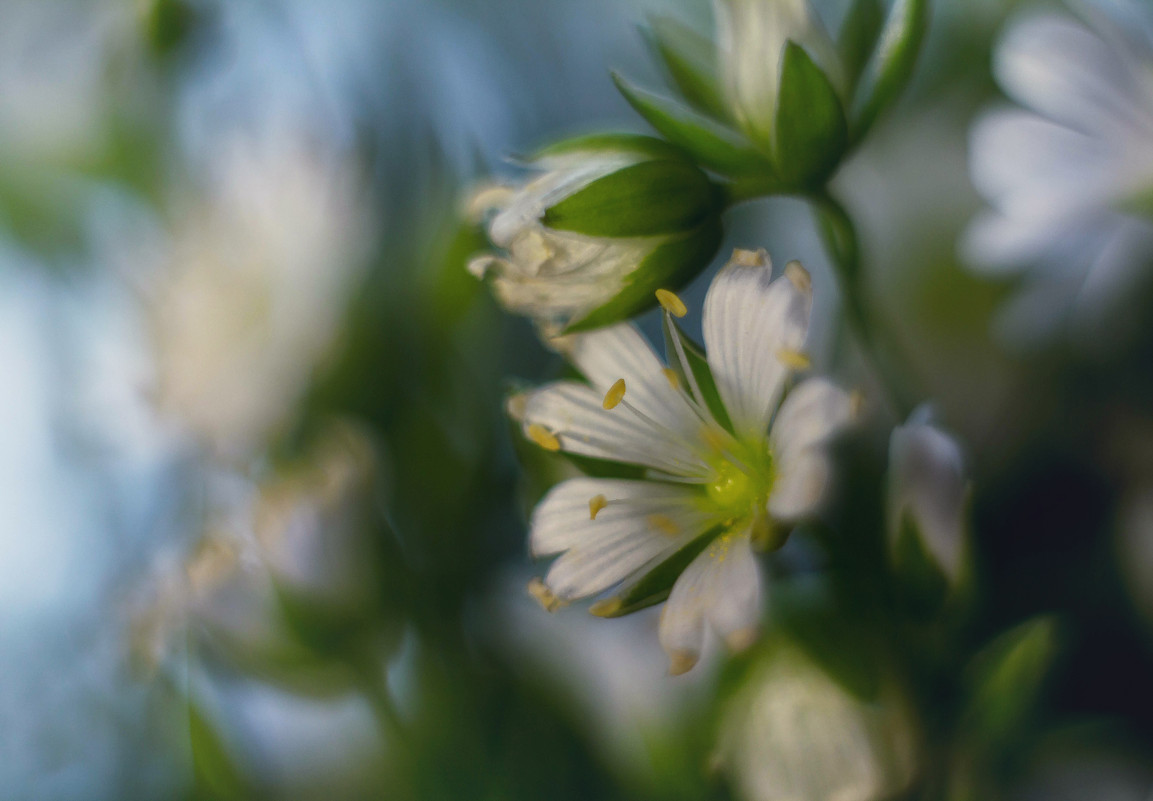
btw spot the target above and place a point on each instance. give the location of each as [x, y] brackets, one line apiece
[544, 596]
[798, 276]
[793, 359]
[596, 503]
[681, 662]
[543, 437]
[664, 524]
[741, 639]
[856, 403]
[607, 608]
[750, 258]
[671, 303]
[615, 394]
[672, 377]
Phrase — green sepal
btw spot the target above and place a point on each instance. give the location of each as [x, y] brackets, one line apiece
[811, 132]
[711, 144]
[923, 587]
[1005, 683]
[646, 199]
[698, 363]
[656, 584]
[639, 144]
[858, 36]
[215, 772]
[891, 65]
[670, 265]
[690, 60]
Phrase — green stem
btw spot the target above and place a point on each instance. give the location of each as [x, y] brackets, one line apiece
[374, 685]
[877, 344]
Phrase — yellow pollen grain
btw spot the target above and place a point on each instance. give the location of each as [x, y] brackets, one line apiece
[543, 437]
[606, 608]
[664, 523]
[543, 595]
[798, 276]
[596, 503]
[794, 359]
[672, 377]
[615, 395]
[750, 258]
[671, 303]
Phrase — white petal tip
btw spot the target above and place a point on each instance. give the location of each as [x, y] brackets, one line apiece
[798, 276]
[751, 258]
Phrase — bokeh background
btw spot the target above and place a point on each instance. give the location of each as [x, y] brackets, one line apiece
[261, 512]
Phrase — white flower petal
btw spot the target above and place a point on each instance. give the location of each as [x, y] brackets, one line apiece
[927, 479]
[721, 586]
[562, 519]
[748, 320]
[1063, 70]
[621, 351]
[624, 539]
[800, 487]
[814, 411]
[573, 413]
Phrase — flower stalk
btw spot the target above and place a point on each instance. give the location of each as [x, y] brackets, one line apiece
[839, 236]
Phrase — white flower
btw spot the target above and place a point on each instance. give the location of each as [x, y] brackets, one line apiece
[258, 275]
[928, 486]
[791, 733]
[560, 271]
[751, 36]
[712, 492]
[1068, 176]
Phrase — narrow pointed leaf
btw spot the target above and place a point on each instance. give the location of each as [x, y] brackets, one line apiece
[608, 143]
[858, 36]
[646, 199]
[713, 145]
[892, 63]
[811, 133]
[691, 62]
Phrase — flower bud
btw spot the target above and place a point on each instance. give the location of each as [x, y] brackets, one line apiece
[792, 732]
[609, 220]
[928, 491]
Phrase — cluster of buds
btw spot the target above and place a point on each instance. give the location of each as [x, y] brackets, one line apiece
[772, 107]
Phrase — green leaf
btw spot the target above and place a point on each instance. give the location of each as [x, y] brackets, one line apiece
[215, 772]
[891, 65]
[1006, 681]
[648, 146]
[811, 133]
[698, 363]
[712, 145]
[923, 586]
[655, 585]
[646, 199]
[858, 36]
[691, 62]
[671, 265]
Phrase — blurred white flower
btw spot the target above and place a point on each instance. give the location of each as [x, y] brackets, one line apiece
[752, 35]
[792, 733]
[258, 277]
[298, 536]
[1069, 177]
[927, 488]
[712, 493]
